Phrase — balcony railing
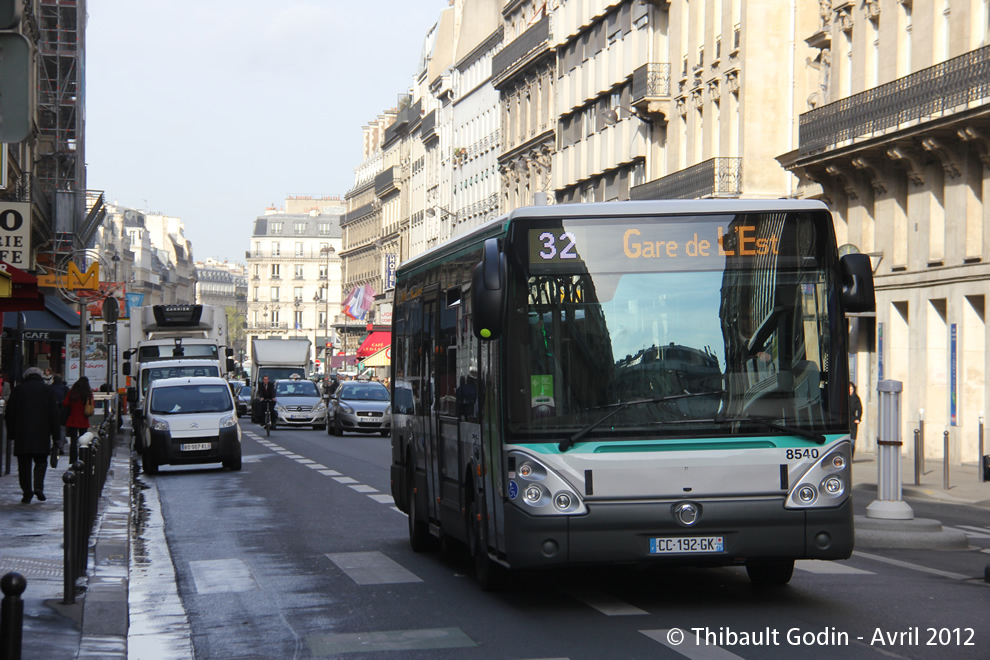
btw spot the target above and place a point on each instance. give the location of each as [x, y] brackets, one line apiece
[385, 182]
[29, 189]
[268, 327]
[526, 43]
[651, 82]
[936, 91]
[715, 177]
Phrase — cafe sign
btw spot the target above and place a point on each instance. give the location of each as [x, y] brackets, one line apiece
[15, 234]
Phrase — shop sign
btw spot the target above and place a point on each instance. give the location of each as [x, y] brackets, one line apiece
[15, 234]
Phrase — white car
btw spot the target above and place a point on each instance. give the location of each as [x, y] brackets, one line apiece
[187, 421]
[299, 402]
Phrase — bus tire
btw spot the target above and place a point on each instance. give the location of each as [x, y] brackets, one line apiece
[770, 572]
[419, 531]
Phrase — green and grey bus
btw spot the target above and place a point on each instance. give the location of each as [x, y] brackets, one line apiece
[629, 382]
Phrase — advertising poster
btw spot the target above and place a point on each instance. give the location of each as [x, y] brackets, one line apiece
[96, 361]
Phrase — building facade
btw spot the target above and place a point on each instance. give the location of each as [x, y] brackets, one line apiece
[294, 272]
[895, 138]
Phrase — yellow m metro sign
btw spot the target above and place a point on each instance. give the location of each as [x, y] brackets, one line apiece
[74, 278]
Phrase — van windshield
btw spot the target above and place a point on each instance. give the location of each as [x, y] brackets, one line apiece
[187, 399]
[168, 371]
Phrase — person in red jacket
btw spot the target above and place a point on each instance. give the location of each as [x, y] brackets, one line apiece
[78, 422]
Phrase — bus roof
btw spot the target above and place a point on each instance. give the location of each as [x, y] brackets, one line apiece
[498, 226]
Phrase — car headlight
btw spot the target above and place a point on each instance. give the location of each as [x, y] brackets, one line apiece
[320, 407]
[227, 422]
[279, 408]
[345, 408]
[160, 425]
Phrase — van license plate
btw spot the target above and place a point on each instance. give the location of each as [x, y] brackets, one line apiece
[195, 446]
[680, 545]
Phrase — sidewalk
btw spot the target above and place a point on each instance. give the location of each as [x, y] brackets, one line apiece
[31, 544]
[964, 484]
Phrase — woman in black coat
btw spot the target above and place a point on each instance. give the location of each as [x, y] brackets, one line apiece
[855, 415]
[32, 421]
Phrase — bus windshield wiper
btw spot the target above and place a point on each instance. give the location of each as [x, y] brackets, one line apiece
[619, 407]
[766, 421]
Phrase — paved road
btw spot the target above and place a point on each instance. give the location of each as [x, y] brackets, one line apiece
[302, 554]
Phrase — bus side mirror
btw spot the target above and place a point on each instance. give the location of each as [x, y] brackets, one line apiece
[488, 292]
[132, 395]
[126, 368]
[857, 283]
[230, 364]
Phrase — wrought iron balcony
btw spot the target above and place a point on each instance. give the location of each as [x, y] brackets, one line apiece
[936, 91]
[531, 40]
[427, 127]
[651, 89]
[715, 177]
[268, 327]
[385, 182]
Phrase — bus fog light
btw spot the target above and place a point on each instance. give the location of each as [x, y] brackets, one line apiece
[833, 486]
[807, 494]
[562, 501]
[533, 494]
[838, 462]
[525, 470]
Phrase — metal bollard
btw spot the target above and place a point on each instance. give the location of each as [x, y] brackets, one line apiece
[888, 504]
[921, 427]
[69, 518]
[979, 455]
[917, 457]
[945, 460]
[11, 615]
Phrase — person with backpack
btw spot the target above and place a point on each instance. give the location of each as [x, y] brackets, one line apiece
[81, 406]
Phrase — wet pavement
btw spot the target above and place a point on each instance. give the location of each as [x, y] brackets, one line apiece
[127, 605]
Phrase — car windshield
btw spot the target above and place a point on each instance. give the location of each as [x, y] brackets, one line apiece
[364, 392]
[187, 399]
[296, 388]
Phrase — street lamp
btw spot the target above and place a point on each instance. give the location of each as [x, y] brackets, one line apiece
[326, 251]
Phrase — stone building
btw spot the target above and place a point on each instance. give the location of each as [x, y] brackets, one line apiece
[895, 138]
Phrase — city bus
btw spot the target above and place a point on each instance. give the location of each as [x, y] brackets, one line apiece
[647, 382]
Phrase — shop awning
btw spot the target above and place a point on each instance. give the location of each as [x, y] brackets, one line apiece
[382, 358]
[375, 342]
[55, 316]
[24, 294]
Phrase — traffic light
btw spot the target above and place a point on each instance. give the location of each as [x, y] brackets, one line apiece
[15, 75]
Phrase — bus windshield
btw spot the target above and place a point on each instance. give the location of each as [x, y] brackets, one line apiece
[710, 325]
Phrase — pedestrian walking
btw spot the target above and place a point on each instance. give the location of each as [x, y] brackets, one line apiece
[81, 406]
[48, 376]
[60, 390]
[855, 415]
[4, 387]
[32, 422]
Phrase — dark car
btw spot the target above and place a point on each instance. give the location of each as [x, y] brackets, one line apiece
[362, 406]
[242, 397]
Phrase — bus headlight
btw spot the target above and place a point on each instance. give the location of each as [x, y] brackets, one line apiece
[534, 487]
[824, 483]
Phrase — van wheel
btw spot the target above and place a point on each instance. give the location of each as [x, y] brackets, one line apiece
[234, 464]
[149, 463]
[770, 573]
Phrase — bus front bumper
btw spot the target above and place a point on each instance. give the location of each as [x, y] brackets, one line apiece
[613, 533]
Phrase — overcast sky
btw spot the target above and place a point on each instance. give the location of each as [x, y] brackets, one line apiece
[212, 110]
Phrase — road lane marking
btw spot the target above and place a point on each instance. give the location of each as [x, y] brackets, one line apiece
[330, 473]
[970, 531]
[604, 603]
[910, 566]
[389, 640]
[345, 480]
[371, 568]
[305, 461]
[828, 567]
[318, 466]
[690, 648]
[382, 498]
[361, 488]
[222, 576]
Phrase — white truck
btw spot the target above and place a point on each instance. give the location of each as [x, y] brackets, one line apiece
[276, 358]
[169, 333]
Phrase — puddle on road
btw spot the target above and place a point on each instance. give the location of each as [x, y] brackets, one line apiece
[159, 627]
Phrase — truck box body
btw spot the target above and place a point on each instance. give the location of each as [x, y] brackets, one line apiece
[277, 358]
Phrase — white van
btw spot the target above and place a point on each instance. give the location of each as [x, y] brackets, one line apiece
[187, 421]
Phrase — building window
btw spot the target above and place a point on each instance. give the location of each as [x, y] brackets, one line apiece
[299, 271]
[257, 270]
[324, 228]
[255, 294]
[257, 248]
[275, 315]
[276, 249]
[276, 271]
[275, 293]
[323, 271]
[276, 228]
[257, 318]
[300, 249]
[297, 293]
[323, 319]
[298, 320]
[300, 228]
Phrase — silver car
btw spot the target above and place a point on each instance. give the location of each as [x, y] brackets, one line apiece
[361, 406]
[299, 403]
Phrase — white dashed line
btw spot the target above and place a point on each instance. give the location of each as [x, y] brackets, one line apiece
[345, 480]
[305, 461]
[361, 488]
[382, 498]
[330, 473]
[606, 604]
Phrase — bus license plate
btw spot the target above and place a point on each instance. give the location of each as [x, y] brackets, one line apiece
[195, 446]
[681, 545]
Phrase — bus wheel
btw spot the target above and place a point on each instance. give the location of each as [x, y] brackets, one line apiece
[419, 531]
[771, 573]
[490, 575]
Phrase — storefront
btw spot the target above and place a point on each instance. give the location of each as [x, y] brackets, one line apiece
[39, 335]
